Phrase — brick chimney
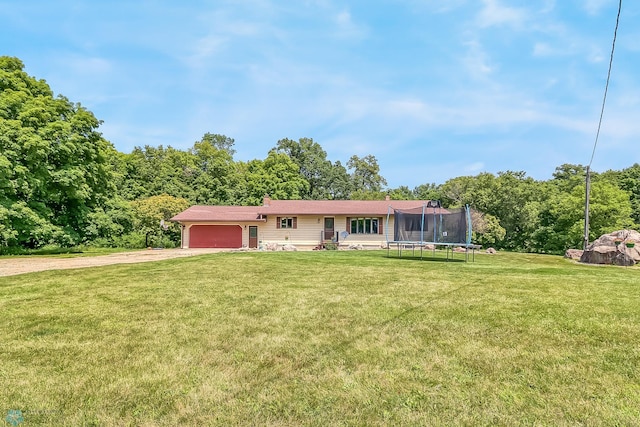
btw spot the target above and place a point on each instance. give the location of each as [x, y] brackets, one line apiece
[266, 201]
[387, 197]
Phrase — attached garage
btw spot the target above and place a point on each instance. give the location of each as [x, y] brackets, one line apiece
[215, 236]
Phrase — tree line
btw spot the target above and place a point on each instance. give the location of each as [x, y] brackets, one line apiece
[63, 184]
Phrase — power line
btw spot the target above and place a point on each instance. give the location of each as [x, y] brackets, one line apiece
[606, 88]
[604, 100]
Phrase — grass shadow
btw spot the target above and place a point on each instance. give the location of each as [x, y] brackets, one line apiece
[426, 258]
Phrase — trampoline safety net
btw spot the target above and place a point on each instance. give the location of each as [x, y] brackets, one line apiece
[432, 224]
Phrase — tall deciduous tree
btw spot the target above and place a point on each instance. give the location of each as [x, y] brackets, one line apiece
[561, 224]
[108, 223]
[151, 212]
[277, 175]
[53, 162]
[221, 142]
[629, 180]
[150, 171]
[428, 192]
[324, 182]
[401, 193]
[339, 185]
[216, 171]
[366, 173]
[205, 173]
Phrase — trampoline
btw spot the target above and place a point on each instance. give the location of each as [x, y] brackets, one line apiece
[432, 226]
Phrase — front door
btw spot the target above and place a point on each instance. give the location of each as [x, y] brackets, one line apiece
[328, 228]
[253, 236]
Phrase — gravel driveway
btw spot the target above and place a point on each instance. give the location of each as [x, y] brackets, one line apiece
[11, 266]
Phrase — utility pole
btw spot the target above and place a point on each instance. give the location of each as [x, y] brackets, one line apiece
[586, 209]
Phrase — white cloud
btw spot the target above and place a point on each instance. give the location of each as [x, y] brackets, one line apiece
[90, 65]
[474, 168]
[408, 108]
[344, 18]
[548, 6]
[436, 6]
[543, 49]
[494, 14]
[204, 48]
[476, 60]
[595, 55]
[593, 7]
[346, 28]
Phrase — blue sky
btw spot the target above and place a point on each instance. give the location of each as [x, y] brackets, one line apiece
[433, 89]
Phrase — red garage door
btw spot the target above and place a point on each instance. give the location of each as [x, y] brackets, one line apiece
[215, 236]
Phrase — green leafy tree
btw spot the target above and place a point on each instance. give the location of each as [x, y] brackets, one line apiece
[339, 186]
[478, 191]
[108, 223]
[324, 181]
[151, 171]
[54, 166]
[428, 192]
[511, 197]
[215, 175]
[204, 174]
[562, 216]
[628, 180]
[150, 213]
[221, 142]
[368, 195]
[401, 193]
[567, 176]
[277, 175]
[517, 205]
[610, 209]
[487, 230]
[366, 173]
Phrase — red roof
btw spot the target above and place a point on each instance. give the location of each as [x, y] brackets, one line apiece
[337, 207]
[295, 207]
[219, 214]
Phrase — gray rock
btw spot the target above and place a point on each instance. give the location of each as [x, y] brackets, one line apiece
[271, 246]
[612, 249]
[574, 254]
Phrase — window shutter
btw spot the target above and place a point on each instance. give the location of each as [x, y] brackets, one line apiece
[348, 225]
[295, 222]
[379, 225]
[278, 221]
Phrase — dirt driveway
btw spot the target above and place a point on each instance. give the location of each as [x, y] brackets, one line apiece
[11, 266]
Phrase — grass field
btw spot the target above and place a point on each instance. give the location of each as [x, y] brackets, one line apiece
[323, 338]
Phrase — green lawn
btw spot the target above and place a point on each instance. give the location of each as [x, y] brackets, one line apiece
[323, 338]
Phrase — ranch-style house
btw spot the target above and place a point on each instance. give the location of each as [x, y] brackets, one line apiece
[306, 224]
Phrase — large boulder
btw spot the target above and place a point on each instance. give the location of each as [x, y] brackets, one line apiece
[613, 249]
[574, 254]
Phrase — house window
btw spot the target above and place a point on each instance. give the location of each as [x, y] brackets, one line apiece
[364, 225]
[287, 222]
